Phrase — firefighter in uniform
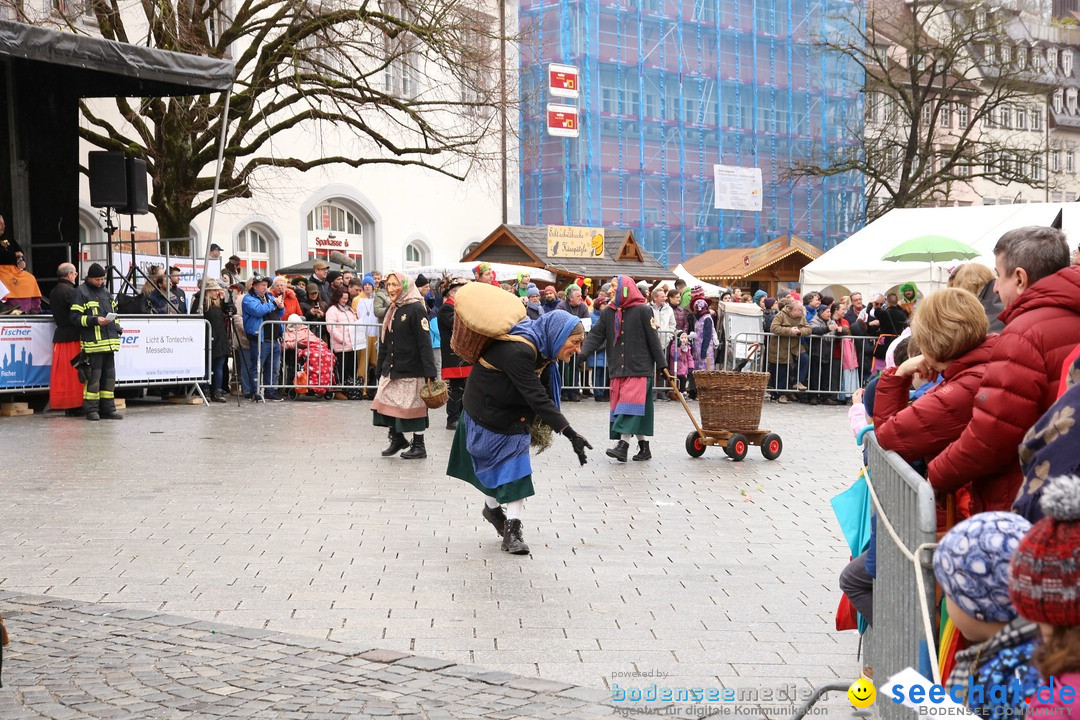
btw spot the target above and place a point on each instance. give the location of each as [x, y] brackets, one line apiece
[100, 338]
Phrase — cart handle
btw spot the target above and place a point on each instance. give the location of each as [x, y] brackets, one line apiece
[689, 412]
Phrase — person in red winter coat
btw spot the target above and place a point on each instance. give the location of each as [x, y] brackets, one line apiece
[949, 329]
[1041, 295]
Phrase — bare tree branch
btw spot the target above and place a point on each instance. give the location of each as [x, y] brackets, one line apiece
[398, 82]
[936, 92]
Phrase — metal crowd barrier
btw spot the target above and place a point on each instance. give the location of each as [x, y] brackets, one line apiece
[903, 633]
[589, 375]
[904, 587]
[353, 372]
[820, 367]
[26, 352]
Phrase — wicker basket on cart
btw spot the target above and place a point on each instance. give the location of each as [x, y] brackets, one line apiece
[730, 400]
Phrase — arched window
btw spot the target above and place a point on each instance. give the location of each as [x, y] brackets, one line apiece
[1021, 57]
[335, 228]
[1067, 62]
[335, 218]
[253, 245]
[1059, 97]
[416, 255]
[1051, 58]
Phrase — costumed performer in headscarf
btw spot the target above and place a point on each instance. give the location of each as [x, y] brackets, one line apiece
[634, 355]
[406, 360]
[515, 383]
[485, 274]
[22, 287]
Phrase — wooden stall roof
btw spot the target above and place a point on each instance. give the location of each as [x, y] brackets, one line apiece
[527, 245]
[739, 263]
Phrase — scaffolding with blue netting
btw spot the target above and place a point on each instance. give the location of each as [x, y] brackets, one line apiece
[670, 88]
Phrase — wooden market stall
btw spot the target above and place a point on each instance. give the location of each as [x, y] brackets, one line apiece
[570, 252]
[769, 267]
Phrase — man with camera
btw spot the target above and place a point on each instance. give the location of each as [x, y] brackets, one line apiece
[259, 306]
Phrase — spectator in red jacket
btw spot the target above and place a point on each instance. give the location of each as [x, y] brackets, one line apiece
[949, 328]
[1041, 295]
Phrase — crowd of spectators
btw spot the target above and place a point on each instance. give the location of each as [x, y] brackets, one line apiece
[988, 418]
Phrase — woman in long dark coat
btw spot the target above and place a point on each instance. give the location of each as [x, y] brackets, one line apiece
[406, 361]
[515, 381]
[629, 330]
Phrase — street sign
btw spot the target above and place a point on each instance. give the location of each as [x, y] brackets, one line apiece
[564, 81]
[737, 188]
[563, 121]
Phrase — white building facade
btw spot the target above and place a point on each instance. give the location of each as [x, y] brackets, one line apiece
[384, 216]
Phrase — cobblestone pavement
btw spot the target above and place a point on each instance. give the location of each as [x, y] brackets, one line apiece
[77, 660]
[284, 518]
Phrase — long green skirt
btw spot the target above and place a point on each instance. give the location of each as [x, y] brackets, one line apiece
[401, 425]
[635, 424]
[509, 477]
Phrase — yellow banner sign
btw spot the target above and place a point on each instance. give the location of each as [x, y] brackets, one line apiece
[575, 242]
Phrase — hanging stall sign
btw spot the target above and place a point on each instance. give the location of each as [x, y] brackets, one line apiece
[564, 81]
[575, 242]
[737, 188]
[563, 121]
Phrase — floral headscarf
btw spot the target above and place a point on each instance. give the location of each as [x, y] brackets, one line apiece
[409, 294]
[627, 295]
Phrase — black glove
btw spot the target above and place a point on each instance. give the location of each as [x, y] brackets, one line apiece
[578, 442]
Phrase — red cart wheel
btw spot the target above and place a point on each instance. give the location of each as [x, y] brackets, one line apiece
[737, 447]
[694, 446]
[772, 446]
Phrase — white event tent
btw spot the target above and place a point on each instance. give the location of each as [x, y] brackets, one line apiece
[856, 263]
[691, 281]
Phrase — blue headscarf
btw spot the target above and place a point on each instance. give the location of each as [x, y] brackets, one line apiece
[548, 333]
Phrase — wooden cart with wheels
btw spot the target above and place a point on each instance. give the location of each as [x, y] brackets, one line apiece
[731, 410]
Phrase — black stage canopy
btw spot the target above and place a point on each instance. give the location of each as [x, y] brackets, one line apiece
[43, 75]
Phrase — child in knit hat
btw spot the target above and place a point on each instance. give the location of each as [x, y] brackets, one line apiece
[1043, 580]
[971, 564]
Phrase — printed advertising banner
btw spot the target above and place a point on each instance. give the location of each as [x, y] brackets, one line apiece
[190, 273]
[25, 354]
[162, 348]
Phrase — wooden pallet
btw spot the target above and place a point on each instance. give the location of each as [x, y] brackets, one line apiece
[15, 409]
[181, 400]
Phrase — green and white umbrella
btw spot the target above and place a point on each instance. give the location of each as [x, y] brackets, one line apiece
[931, 248]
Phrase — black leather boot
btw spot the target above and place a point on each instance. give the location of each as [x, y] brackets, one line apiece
[643, 452]
[417, 451]
[108, 411]
[619, 451]
[90, 410]
[513, 542]
[496, 517]
[397, 444]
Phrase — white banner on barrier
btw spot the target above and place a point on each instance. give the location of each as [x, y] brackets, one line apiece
[25, 354]
[162, 348]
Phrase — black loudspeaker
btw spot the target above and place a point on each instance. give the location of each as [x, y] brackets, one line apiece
[108, 179]
[136, 203]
